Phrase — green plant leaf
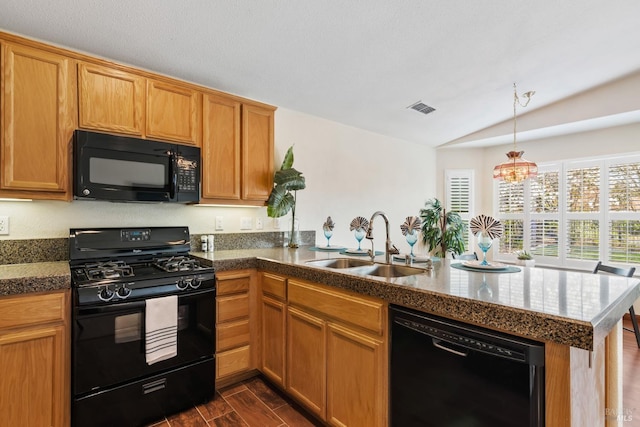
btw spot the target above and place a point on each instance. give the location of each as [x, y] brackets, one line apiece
[280, 202]
[442, 231]
[290, 179]
[287, 163]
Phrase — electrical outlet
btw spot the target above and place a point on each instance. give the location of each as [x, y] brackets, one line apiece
[259, 225]
[276, 223]
[4, 224]
[219, 226]
[245, 223]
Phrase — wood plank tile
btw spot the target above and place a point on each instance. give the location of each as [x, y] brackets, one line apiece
[264, 392]
[232, 389]
[293, 417]
[231, 419]
[188, 418]
[252, 410]
[214, 408]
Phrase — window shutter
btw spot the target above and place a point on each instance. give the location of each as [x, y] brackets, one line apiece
[624, 208]
[459, 195]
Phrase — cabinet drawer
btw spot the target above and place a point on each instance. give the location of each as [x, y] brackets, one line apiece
[232, 335]
[274, 285]
[232, 307]
[233, 361]
[364, 312]
[232, 284]
[33, 309]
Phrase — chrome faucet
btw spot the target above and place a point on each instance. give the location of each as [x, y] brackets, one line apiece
[389, 247]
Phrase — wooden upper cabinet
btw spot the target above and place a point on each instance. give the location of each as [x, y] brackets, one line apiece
[221, 148]
[38, 119]
[257, 152]
[110, 99]
[173, 112]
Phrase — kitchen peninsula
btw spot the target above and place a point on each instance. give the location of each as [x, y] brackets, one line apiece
[576, 315]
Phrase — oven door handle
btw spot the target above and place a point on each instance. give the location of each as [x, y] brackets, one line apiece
[135, 305]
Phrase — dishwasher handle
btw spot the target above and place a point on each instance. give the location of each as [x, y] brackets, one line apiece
[438, 344]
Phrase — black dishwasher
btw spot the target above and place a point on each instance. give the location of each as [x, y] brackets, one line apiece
[446, 373]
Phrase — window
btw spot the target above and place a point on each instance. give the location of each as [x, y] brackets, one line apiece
[574, 213]
[458, 197]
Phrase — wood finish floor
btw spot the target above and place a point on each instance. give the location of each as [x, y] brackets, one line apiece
[251, 403]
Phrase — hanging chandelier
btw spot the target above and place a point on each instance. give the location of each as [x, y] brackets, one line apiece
[516, 168]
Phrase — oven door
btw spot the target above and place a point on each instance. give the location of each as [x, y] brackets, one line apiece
[109, 341]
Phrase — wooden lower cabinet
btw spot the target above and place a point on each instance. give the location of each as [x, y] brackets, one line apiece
[306, 360]
[34, 356]
[336, 349]
[355, 379]
[235, 325]
[273, 332]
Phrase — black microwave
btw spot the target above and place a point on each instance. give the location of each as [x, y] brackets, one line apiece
[125, 169]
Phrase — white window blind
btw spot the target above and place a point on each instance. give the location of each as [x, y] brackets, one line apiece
[544, 213]
[511, 214]
[574, 213]
[459, 195]
[624, 211]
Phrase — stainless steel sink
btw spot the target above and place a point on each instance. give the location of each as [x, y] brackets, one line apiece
[388, 270]
[339, 263]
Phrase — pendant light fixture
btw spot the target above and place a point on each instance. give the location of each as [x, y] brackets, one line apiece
[516, 169]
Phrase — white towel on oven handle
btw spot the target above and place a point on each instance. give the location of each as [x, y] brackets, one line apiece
[161, 328]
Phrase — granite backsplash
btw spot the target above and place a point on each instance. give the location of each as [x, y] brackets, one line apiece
[57, 249]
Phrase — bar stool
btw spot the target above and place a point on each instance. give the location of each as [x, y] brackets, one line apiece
[627, 272]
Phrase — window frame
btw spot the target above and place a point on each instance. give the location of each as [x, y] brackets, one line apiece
[604, 216]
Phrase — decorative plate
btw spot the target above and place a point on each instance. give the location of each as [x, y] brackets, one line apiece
[493, 266]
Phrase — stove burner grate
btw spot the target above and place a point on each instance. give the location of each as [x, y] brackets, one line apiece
[108, 270]
[177, 263]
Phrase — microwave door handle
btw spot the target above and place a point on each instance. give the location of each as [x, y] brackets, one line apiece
[173, 171]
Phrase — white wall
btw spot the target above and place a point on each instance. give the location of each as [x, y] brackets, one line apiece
[349, 172]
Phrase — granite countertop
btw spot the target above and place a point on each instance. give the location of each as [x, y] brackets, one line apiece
[570, 308]
[34, 277]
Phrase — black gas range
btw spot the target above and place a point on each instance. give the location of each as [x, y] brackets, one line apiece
[117, 275]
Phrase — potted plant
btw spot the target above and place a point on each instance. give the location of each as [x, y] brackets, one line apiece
[286, 182]
[525, 258]
[442, 231]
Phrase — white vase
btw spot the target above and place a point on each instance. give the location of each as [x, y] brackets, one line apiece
[526, 262]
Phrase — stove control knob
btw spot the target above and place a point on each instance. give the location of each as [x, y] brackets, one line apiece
[196, 282]
[180, 284]
[123, 292]
[106, 294]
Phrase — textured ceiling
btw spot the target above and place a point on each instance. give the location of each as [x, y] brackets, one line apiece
[362, 62]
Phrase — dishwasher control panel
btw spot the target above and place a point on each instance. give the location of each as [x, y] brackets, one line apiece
[462, 340]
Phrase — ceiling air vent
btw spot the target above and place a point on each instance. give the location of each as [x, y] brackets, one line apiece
[421, 107]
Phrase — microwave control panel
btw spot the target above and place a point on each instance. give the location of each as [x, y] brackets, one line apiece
[187, 174]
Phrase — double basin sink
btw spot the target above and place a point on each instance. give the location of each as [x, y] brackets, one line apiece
[367, 268]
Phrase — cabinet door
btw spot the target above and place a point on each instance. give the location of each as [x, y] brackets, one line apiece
[273, 340]
[173, 112]
[32, 384]
[257, 153]
[355, 379]
[110, 100]
[221, 148]
[306, 361]
[38, 90]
